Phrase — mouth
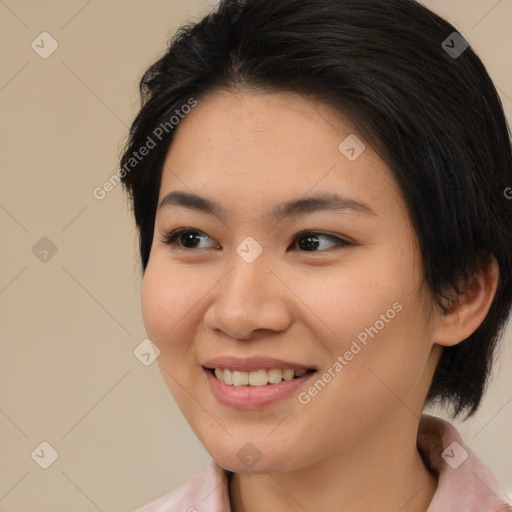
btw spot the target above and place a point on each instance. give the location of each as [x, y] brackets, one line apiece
[257, 388]
[257, 378]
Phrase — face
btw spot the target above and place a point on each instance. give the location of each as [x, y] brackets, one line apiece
[264, 277]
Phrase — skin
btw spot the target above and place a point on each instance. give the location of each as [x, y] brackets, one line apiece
[354, 445]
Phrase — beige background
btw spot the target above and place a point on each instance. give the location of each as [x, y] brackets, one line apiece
[68, 375]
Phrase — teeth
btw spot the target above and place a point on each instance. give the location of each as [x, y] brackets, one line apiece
[240, 378]
[256, 378]
[228, 377]
[288, 374]
[275, 376]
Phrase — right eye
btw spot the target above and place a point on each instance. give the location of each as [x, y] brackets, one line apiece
[185, 239]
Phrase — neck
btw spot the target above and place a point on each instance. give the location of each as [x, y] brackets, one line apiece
[386, 476]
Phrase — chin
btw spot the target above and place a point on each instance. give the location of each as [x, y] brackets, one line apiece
[253, 459]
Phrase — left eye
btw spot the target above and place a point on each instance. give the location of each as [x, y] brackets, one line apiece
[307, 241]
[310, 241]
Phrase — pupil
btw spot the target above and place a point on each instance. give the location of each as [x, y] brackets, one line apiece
[309, 242]
[188, 237]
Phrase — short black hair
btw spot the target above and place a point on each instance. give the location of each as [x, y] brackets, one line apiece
[411, 87]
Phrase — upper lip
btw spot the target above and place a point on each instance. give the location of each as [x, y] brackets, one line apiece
[254, 363]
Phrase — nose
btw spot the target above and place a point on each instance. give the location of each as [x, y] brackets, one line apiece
[250, 298]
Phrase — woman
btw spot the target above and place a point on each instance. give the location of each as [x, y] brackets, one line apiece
[325, 240]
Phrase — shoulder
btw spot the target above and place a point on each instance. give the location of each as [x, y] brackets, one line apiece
[464, 482]
[207, 490]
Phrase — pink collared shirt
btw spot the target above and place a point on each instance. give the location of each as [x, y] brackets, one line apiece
[464, 485]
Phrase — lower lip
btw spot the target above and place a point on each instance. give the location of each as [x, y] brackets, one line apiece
[253, 397]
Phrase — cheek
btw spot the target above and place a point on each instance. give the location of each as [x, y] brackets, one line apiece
[372, 315]
[385, 351]
[155, 298]
[352, 297]
[168, 313]
[167, 305]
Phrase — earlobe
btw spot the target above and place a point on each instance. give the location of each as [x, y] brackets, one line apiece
[469, 308]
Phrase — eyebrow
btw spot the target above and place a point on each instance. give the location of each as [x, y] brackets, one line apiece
[300, 206]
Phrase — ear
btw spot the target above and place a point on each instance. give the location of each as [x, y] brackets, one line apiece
[468, 309]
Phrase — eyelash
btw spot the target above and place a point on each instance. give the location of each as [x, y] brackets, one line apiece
[170, 239]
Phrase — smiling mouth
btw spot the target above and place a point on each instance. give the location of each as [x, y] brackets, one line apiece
[257, 378]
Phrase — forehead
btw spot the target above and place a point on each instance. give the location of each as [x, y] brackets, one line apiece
[252, 118]
[254, 147]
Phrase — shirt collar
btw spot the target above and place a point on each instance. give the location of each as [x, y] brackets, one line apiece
[464, 483]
